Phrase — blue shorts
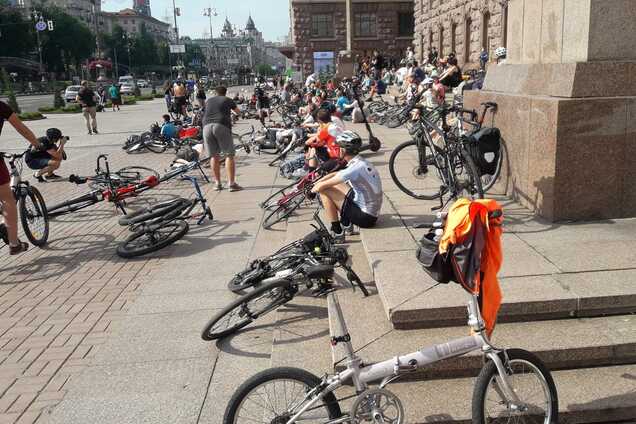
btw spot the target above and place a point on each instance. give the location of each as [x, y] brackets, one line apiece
[38, 163]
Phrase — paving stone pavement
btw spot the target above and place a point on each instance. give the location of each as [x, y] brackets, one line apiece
[58, 305]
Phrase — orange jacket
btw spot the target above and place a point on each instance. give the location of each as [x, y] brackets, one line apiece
[459, 223]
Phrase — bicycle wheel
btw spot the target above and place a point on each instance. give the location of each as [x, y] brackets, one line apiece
[34, 217]
[273, 199]
[143, 242]
[467, 180]
[274, 395]
[415, 172]
[246, 309]
[153, 144]
[281, 212]
[530, 380]
[135, 174]
[487, 180]
[74, 204]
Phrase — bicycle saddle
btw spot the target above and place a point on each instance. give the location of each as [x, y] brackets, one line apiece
[319, 272]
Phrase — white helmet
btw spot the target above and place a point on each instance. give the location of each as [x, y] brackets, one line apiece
[501, 52]
[349, 140]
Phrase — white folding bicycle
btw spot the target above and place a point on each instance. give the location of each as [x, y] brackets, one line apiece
[513, 385]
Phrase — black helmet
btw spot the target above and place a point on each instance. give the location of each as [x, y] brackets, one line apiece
[350, 141]
[53, 134]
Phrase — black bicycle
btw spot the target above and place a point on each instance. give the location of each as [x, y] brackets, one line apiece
[309, 258]
[105, 179]
[160, 225]
[31, 206]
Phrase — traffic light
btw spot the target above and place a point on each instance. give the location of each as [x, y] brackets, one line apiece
[177, 11]
[50, 25]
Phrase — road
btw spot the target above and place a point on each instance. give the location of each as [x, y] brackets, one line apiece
[32, 103]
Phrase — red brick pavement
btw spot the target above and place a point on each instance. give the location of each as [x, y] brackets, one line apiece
[57, 304]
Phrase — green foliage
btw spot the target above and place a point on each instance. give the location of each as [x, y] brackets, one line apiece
[70, 43]
[58, 100]
[8, 86]
[18, 34]
[31, 116]
[159, 96]
[264, 69]
[146, 97]
[129, 100]
[193, 55]
[72, 108]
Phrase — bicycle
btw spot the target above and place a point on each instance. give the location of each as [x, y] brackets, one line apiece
[284, 285]
[160, 225]
[105, 179]
[503, 387]
[31, 206]
[454, 173]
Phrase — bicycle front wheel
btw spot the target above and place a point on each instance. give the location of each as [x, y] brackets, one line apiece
[273, 199]
[414, 171]
[246, 309]
[34, 217]
[467, 178]
[530, 380]
[283, 210]
[143, 242]
[275, 395]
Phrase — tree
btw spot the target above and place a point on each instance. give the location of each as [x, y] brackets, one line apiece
[194, 56]
[144, 49]
[264, 69]
[71, 42]
[17, 37]
[12, 100]
[116, 45]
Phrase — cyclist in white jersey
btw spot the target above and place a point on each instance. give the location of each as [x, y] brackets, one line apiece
[352, 195]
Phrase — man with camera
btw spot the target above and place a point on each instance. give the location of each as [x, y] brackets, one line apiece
[48, 156]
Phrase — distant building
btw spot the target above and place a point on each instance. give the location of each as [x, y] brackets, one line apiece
[463, 27]
[236, 52]
[319, 30]
[131, 22]
[274, 57]
[84, 10]
[142, 7]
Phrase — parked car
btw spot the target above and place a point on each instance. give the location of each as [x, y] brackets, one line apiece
[70, 94]
[127, 89]
[142, 83]
[126, 79]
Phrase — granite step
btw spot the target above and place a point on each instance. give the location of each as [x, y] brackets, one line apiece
[588, 395]
[561, 344]
[538, 281]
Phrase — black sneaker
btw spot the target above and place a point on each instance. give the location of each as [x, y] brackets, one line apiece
[40, 178]
[95, 132]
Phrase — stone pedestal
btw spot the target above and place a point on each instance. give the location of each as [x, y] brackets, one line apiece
[567, 107]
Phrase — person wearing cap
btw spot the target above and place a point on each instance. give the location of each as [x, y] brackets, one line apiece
[9, 209]
[48, 156]
[353, 195]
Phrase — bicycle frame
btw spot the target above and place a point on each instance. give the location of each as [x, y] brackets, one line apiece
[387, 371]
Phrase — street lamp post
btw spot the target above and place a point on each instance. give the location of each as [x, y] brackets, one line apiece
[210, 12]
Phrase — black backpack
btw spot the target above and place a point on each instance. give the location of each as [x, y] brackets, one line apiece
[485, 148]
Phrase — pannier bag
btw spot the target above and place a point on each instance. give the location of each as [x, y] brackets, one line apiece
[437, 265]
[187, 153]
[485, 147]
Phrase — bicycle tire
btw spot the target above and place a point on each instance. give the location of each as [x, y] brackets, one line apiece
[73, 205]
[176, 230]
[283, 211]
[288, 375]
[401, 181]
[271, 295]
[135, 174]
[476, 190]
[489, 373]
[28, 216]
[267, 203]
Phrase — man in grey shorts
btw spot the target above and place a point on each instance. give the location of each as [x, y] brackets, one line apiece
[217, 135]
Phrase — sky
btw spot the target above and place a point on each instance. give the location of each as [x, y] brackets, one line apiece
[270, 16]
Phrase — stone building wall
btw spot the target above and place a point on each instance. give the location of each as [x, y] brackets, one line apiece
[443, 24]
[387, 42]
